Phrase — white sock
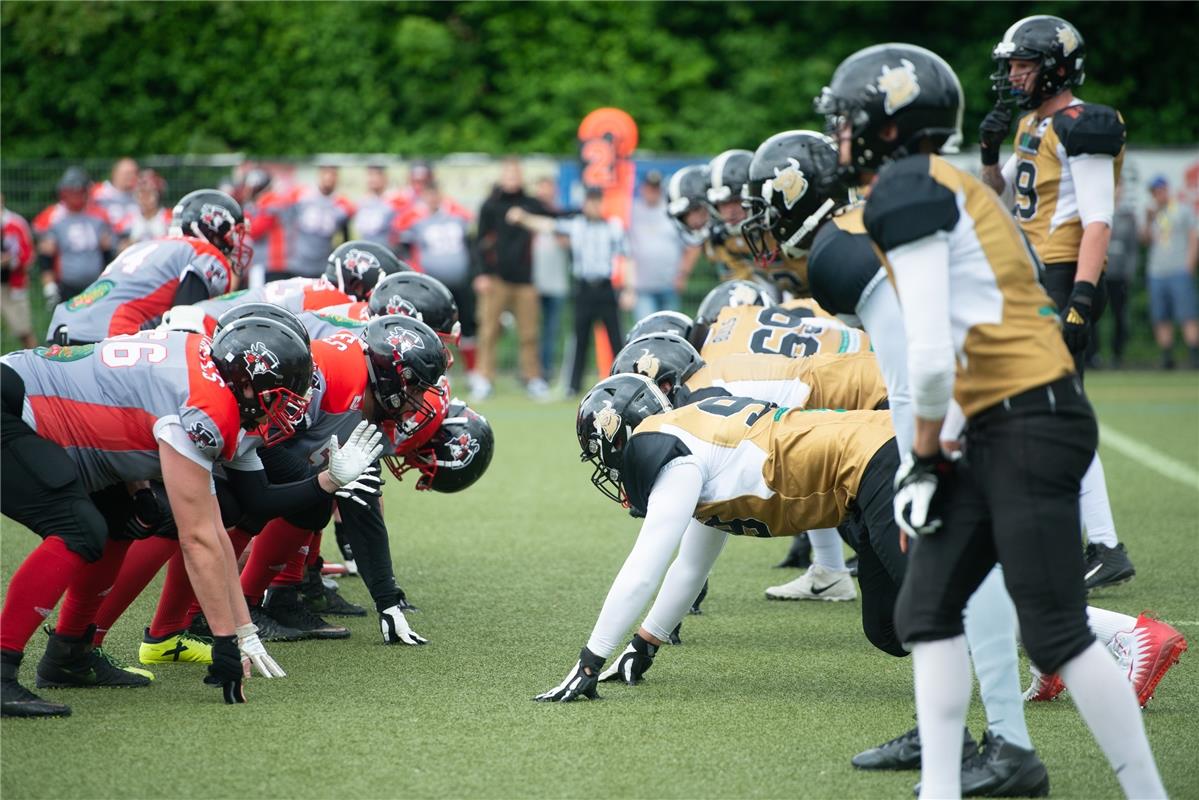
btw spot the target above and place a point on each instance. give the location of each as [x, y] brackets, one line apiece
[1106, 624]
[942, 671]
[1109, 707]
[1095, 507]
[826, 548]
[990, 620]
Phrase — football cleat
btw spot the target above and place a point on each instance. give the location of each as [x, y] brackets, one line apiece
[199, 626]
[1001, 769]
[271, 631]
[1146, 654]
[903, 752]
[1107, 566]
[119, 664]
[331, 603]
[818, 583]
[284, 605]
[71, 662]
[799, 555]
[177, 648]
[1045, 686]
[16, 700]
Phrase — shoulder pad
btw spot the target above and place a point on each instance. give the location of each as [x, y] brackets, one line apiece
[1090, 130]
[908, 203]
[644, 456]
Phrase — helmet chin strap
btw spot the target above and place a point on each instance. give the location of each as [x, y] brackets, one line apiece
[808, 226]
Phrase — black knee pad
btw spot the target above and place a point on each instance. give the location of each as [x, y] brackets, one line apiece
[313, 518]
[86, 537]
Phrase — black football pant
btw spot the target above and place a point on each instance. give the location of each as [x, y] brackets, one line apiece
[1013, 499]
[595, 301]
[871, 531]
[1058, 280]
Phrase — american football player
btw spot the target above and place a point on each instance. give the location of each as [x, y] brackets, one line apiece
[1031, 431]
[687, 203]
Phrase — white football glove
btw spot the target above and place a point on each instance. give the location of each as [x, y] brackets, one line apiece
[367, 485]
[347, 462]
[395, 628]
[183, 318]
[252, 652]
[919, 496]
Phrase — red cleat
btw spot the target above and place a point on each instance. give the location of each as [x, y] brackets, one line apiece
[1045, 687]
[1146, 654]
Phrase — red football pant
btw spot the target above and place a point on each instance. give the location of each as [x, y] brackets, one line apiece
[279, 542]
[86, 593]
[143, 561]
[35, 589]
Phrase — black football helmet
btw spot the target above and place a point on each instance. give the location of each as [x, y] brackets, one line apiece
[405, 360]
[727, 295]
[415, 294]
[217, 218]
[268, 367]
[1058, 48]
[455, 457]
[792, 188]
[727, 173]
[686, 191]
[661, 322]
[900, 83]
[667, 359]
[608, 415]
[357, 266]
[267, 311]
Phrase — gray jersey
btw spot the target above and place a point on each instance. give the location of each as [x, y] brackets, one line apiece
[294, 294]
[80, 238]
[441, 246]
[310, 220]
[110, 403]
[373, 219]
[140, 286]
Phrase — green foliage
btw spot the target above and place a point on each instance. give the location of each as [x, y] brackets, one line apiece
[105, 78]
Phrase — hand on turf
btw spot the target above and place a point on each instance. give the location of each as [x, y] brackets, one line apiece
[348, 462]
[631, 665]
[580, 683]
[226, 669]
[1076, 317]
[992, 132]
[252, 652]
[366, 486]
[919, 498]
[395, 628]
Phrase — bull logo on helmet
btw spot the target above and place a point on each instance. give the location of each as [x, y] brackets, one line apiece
[788, 181]
[260, 360]
[648, 365]
[462, 449]
[743, 295]
[359, 261]
[402, 340]
[899, 85]
[608, 421]
[1068, 37]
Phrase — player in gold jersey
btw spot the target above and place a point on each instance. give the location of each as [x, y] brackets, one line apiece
[967, 285]
[726, 465]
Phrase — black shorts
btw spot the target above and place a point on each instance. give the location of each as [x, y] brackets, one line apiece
[872, 533]
[40, 486]
[1012, 499]
[1058, 280]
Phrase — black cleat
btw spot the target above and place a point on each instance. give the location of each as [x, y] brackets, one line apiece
[703, 592]
[674, 635]
[270, 630]
[800, 554]
[320, 599]
[1002, 769]
[283, 604]
[74, 662]
[903, 752]
[16, 700]
[199, 626]
[852, 566]
[1107, 566]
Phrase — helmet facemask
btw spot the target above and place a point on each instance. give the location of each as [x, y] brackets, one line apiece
[284, 410]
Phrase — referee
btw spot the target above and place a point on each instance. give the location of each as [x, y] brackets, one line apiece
[595, 243]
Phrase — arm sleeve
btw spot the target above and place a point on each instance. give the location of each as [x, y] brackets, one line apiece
[883, 320]
[366, 532]
[258, 497]
[192, 289]
[701, 547]
[921, 270]
[1095, 187]
[671, 504]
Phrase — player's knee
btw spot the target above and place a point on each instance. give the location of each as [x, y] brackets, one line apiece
[312, 518]
[86, 530]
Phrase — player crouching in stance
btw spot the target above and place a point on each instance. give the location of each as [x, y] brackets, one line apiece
[726, 465]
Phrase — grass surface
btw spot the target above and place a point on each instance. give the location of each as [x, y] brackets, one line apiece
[763, 700]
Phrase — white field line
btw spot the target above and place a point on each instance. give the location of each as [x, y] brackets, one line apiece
[1149, 457]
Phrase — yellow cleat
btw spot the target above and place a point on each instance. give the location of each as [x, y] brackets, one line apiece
[174, 649]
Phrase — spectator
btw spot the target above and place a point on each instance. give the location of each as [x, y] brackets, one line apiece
[75, 240]
[377, 209]
[551, 277]
[595, 244]
[116, 195]
[249, 190]
[1170, 232]
[15, 259]
[300, 226]
[1122, 254]
[151, 221]
[408, 198]
[438, 243]
[506, 282]
[663, 261]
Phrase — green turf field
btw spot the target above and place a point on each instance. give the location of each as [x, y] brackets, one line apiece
[763, 700]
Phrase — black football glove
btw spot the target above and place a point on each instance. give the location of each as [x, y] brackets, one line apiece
[919, 496]
[151, 514]
[580, 683]
[631, 665]
[226, 669]
[1076, 317]
[992, 133]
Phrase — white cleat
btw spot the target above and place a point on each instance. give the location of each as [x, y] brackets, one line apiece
[818, 583]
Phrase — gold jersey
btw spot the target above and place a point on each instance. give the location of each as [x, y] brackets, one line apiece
[767, 471]
[775, 330]
[1005, 329]
[850, 380]
[810, 304]
[1046, 200]
[731, 256]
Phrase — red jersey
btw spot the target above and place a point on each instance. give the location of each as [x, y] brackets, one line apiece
[18, 249]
